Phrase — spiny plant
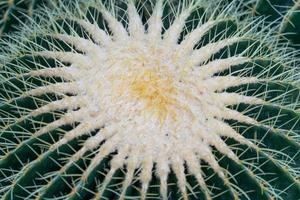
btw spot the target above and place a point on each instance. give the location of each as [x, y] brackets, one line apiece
[12, 11]
[149, 100]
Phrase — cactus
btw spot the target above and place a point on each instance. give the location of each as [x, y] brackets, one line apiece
[286, 13]
[12, 12]
[154, 99]
[290, 25]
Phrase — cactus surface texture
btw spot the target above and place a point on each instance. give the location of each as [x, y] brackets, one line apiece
[150, 99]
[12, 12]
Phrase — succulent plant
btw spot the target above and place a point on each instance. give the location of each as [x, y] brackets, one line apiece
[14, 11]
[153, 99]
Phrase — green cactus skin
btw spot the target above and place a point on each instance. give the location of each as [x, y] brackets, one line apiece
[150, 99]
[14, 11]
[285, 13]
[291, 25]
[273, 9]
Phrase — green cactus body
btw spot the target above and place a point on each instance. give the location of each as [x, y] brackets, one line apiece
[14, 12]
[149, 100]
[290, 25]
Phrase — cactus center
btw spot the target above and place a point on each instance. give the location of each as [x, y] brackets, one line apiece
[156, 91]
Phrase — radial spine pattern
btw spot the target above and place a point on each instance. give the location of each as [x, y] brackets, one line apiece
[130, 95]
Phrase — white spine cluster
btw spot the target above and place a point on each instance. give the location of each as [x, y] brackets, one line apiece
[154, 98]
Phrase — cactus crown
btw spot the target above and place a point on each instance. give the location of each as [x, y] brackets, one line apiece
[148, 99]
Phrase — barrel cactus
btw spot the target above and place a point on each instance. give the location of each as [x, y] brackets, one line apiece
[14, 11]
[152, 99]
